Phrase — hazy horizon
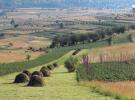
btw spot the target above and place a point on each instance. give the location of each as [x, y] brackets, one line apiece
[108, 4]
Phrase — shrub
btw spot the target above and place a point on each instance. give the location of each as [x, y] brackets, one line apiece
[21, 78]
[27, 73]
[71, 64]
[36, 81]
[37, 73]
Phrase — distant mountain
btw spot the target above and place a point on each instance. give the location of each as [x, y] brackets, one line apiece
[115, 4]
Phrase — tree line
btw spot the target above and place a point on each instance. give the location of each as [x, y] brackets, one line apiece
[74, 39]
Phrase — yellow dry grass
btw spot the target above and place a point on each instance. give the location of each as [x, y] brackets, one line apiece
[16, 47]
[25, 41]
[112, 53]
[125, 88]
[17, 55]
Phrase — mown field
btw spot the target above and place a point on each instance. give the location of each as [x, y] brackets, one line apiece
[60, 86]
[103, 81]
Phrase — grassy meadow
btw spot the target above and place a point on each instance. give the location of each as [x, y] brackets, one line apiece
[111, 71]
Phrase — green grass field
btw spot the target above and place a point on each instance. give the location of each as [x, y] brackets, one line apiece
[60, 86]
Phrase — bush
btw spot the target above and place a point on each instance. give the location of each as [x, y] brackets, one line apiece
[21, 78]
[71, 64]
[36, 81]
[27, 73]
[45, 72]
[37, 73]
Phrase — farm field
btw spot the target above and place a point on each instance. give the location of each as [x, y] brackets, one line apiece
[36, 30]
[60, 86]
[110, 79]
[24, 42]
[53, 54]
[123, 89]
[16, 47]
[113, 53]
[17, 56]
[110, 76]
[102, 41]
[54, 85]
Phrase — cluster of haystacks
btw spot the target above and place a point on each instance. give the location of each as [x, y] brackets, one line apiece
[27, 73]
[35, 79]
[37, 73]
[50, 67]
[45, 71]
[55, 65]
[76, 52]
[21, 78]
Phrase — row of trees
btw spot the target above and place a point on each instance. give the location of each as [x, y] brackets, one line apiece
[73, 39]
